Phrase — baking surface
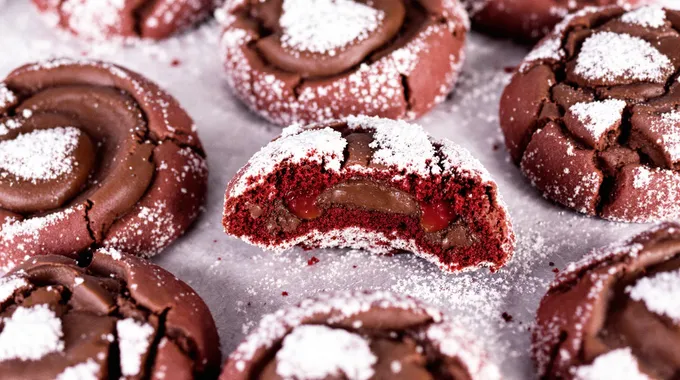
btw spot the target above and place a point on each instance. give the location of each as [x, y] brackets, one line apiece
[240, 283]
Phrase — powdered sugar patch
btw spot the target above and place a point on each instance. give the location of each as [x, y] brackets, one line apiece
[88, 370]
[650, 16]
[606, 56]
[659, 293]
[9, 285]
[30, 334]
[318, 352]
[134, 339]
[599, 117]
[669, 129]
[313, 25]
[619, 364]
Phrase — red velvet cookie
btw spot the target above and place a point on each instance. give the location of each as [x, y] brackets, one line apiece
[593, 114]
[114, 317]
[309, 61]
[92, 154]
[374, 184]
[361, 336]
[614, 314]
[110, 19]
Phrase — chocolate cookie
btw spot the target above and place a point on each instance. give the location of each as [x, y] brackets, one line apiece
[374, 184]
[92, 154]
[593, 114]
[360, 336]
[114, 317]
[313, 60]
[614, 313]
[109, 19]
[529, 20]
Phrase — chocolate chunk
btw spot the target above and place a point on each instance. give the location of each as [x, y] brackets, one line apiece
[157, 20]
[382, 336]
[373, 184]
[612, 74]
[116, 317]
[291, 62]
[95, 155]
[614, 312]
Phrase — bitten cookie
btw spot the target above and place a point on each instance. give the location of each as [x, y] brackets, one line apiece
[108, 19]
[529, 20]
[593, 114]
[92, 154]
[361, 336]
[114, 317]
[373, 184]
[614, 315]
[313, 60]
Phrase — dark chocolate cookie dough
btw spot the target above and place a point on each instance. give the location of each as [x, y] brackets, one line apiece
[312, 60]
[111, 19]
[614, 314]
[593, 114]
[528, 20]
[114, 317]
[92, 154]
[360, 336]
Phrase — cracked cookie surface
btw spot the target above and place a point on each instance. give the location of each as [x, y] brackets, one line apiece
[359, 335]
[291, 61]
[112, 317]
[375, 184]
[593, 114]
[93, 155]
[614, 314]
[111, 19]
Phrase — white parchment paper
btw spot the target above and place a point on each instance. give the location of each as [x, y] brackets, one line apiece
[240, 283]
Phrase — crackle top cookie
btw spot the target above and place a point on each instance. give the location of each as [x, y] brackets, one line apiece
[374, 184]
[93, 155]
[313, 60]
[592, 116]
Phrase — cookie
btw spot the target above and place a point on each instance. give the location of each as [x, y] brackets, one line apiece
[529, 20]
[592, 116]
[359, 336]
[109, 20]
[374, 184]
[113, 317]
[93, 155]
[309, 61]
[614, 314]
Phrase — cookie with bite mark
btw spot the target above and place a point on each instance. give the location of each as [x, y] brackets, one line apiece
[614, 314]
[312, 60]
[361, 336]
[113, 316]
[374, 184]
[592, 116]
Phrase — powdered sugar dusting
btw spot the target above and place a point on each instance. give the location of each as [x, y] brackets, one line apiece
[134, 340]
[7, 97]
[317, 352]
[88, 370]
[93, 19]
[40, 155]
[114, 253]
[599, 117]
[9, 285]
[669, 129]
[659, 293]
[608, 56]
[619, 364]
[30, 334]
[313, 25]
[650, 16]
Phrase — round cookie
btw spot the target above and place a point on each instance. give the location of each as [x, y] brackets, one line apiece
[291, 61]
[114, 317]
[614, 314]
[92, 154]
[360, 336]
[592, 116]
[374, 184]
[126, 19]
[529, 20]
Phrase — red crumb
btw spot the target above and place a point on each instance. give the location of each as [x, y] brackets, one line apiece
[555, 270]
[510, 69]
[285, 294]
[507, 317]
[312, 261]
[175, 62]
